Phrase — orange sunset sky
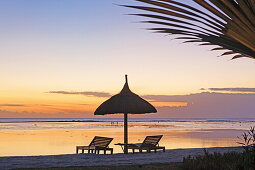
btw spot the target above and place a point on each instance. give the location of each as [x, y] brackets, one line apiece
[62, 59]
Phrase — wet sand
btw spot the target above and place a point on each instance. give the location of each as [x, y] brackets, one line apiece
[54, 138]
[63, 141]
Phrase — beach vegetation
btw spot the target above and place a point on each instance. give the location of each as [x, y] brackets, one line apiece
[213, 161]
[228, 25]
[226, 161]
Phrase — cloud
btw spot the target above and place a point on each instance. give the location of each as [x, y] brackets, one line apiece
[237, 89]
[199, 105]
[26, 114]
[84, 104]
[85, 93]
[44, 105]
[13, 105]
[165, 98]
[207, 105]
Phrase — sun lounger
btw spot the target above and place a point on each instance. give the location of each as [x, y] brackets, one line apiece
[97, 144]
[149, 143]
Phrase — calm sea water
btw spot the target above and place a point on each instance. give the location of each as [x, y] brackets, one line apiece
[121, 119]
[144, 123]
[21, 137]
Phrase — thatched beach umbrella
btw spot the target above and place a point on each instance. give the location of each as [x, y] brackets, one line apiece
[125, 102]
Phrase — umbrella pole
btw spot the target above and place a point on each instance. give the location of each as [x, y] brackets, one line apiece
[125, 133]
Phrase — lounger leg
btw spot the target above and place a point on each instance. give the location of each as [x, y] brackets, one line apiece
[164, 149]
[77, 150]
[133, 150]
[82, 151]
[140, 150]
[155, 150]
[89, 151]
[104, 151]
[111, 151]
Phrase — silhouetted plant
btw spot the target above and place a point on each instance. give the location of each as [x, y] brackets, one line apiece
[228, 24]
[248, 138]
[215, 161]
[227, 161]
[248, 144]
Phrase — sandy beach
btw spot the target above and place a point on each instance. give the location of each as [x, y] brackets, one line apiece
[173, 155]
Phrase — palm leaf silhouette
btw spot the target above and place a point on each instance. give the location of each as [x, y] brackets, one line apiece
[229, 24]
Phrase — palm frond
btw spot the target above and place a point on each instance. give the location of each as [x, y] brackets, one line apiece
[228, 24]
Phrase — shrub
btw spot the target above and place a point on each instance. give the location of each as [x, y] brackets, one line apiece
[226, 161]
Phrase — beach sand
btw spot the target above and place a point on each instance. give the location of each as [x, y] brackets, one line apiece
[71, 160]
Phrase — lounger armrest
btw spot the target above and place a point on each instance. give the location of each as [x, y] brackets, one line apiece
[138, 144]
[135, 144]
[147, 145]
[85, 147]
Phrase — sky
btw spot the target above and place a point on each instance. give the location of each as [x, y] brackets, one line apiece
[63, 58]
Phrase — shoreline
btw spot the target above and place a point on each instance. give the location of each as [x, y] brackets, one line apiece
[73, 160]
[136, 120]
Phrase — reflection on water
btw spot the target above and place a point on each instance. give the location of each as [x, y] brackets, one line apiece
[41, 138]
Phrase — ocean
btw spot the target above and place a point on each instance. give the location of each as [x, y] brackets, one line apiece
[121, 119]
[26, 137]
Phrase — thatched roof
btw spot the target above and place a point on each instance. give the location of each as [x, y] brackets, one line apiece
[125, 102]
